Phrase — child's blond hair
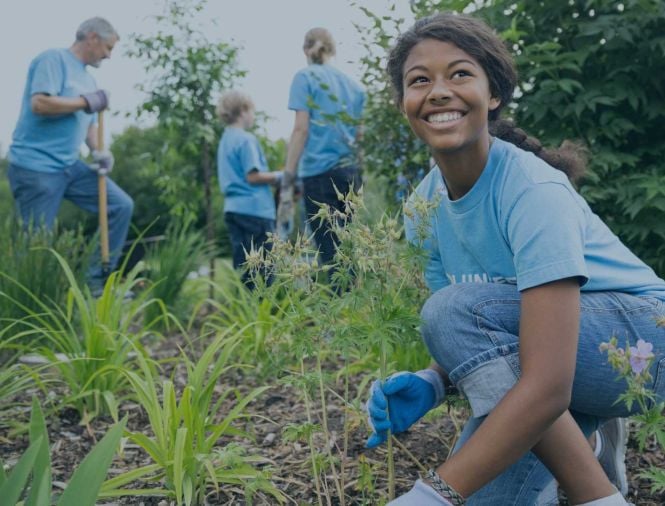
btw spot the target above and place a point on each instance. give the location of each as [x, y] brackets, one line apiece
[232, 104]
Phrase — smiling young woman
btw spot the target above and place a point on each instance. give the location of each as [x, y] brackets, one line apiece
[446, 99]
[527, 282]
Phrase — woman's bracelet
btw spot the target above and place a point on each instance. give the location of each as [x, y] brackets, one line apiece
[444, 490]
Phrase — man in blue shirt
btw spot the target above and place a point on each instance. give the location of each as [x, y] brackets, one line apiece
[58, 114]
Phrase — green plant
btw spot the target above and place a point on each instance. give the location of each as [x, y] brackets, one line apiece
[89, 341]
[169, 263]
[233, 305]
[361, 319]
[186, 428]
[29, 268]
[85, 483]
[632, 365]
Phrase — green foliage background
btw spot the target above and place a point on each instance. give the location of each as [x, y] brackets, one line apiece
[592, 70]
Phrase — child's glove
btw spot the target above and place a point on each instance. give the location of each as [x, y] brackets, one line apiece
[102, 162]
[420, 495]
[96, 101]
[408, 396]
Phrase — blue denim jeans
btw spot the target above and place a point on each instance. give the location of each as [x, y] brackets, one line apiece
[320, 189]
[471, 331]
[38, 196]
[246, 233]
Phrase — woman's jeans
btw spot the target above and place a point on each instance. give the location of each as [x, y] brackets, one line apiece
[322, 189]
[471, 330]
[38, 197]
[247, 233]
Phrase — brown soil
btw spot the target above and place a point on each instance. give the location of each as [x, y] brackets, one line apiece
[428, 442]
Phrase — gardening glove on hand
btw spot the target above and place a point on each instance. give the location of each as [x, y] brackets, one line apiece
[102, 162]
[96, 101]
[402, 400]
[298, 188]
[279, 175]
[285, 209]
[420, 495]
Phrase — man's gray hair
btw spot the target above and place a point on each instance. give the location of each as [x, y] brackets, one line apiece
[96, 25]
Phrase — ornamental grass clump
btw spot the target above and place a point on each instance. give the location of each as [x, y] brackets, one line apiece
[169, 264]
[89, 341]
[28, 267]
[186, 426]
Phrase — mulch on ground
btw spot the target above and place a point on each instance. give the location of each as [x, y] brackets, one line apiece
[428, 442]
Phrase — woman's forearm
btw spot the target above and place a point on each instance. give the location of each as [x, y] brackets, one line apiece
[515, 426]
[294, 152]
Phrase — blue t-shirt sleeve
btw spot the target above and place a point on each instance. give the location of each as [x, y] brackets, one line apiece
[47, 75]
[299, 94]
[250, 155]
[545, 230]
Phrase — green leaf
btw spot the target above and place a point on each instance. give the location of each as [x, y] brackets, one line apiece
[84, 486]
[40, 491]
[11, 489]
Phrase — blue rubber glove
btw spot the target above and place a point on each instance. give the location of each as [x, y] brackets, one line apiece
[420, 495]
[408, 396]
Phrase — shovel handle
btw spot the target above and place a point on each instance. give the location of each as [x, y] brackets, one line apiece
[103, 203]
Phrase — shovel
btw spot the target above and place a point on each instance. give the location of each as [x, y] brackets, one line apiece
[103, 204]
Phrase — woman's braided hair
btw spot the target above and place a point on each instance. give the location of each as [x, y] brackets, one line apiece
[477, 39]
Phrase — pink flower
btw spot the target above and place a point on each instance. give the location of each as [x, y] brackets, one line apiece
[640, 356]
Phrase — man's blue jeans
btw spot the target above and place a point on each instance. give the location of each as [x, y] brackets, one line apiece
[471, 331]
[38, 197]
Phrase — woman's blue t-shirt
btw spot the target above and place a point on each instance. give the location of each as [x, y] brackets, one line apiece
[334, 103]
[522, 223]
[238, 153]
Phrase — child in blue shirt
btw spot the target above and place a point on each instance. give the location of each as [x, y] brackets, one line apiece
[527, 283]
[245, 180]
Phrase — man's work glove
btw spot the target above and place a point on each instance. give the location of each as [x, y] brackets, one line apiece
[420, 495]
[96, 101]
[102, 162]
[402, 400]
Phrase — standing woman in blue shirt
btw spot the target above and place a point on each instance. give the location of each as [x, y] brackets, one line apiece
[527, 283]
[245, 181]
[322, 149]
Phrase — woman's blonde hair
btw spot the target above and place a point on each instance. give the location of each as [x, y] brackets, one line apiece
[319, 45]
[232, 104]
